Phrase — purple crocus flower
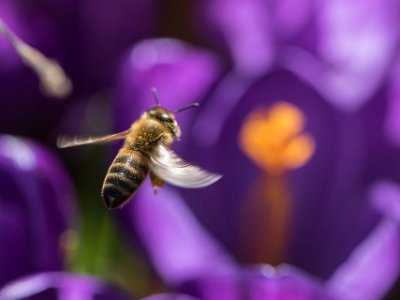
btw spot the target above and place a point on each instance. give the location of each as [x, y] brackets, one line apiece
[315, 216]
[290, 219]
[193, 262]
[36, 207]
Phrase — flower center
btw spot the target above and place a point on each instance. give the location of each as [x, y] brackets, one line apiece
[273, 138]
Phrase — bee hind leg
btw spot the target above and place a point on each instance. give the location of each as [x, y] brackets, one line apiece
[156, 182]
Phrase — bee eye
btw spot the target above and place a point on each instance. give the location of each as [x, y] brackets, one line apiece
[166, 118]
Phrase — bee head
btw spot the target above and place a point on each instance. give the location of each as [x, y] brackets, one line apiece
[166, 117]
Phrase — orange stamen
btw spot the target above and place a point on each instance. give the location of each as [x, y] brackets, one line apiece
[273, 138]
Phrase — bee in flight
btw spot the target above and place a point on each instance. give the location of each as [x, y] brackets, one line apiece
[146, 151]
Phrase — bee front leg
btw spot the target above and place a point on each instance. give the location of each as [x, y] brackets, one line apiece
[156, 182]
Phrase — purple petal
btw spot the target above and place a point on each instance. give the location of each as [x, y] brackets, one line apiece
[357, 43]
[35, 208]
[375, 264]
[181, 73]
[60, 286]
[392, 125]
[246, 29]
[170, 297]
[263, 282]
[286, 282]
[385, 196]
[291, 16]
[178, 246]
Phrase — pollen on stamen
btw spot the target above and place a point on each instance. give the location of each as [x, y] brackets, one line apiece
[274, 139]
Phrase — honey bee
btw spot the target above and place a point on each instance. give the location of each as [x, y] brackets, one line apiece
[146, 151]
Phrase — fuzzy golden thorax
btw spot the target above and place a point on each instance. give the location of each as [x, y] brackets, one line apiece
[165, 117]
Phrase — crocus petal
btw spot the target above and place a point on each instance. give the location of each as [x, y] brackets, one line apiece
[290, 16]
[246, 29]
[61, 286]
[258, 283]
[170, 297]
[374, 265]
[35, 208]
[180, 73]
[208, 126]
[359, 39]
[178, 246]
[392, 123]
[356, 46]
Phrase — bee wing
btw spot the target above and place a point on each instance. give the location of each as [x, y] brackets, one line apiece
[167, 165]
[65, 141]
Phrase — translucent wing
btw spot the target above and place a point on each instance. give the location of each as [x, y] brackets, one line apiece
[174, 170]
[65, 141]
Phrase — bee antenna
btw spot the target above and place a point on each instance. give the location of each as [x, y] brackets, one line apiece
[155, 95]
[195, 104]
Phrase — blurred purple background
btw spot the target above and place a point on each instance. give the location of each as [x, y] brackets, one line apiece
[299, 111]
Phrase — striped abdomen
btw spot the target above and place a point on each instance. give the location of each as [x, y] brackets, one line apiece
[126, 173]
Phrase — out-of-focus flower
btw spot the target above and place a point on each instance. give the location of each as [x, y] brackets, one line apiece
[314, 216]
[57, 285]
[35, 209]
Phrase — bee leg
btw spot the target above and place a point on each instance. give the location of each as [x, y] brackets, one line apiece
[156, 182]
